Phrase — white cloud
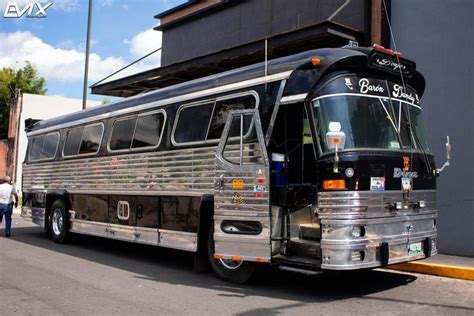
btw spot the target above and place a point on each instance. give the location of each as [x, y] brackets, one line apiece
[144, 43]
[65, 62]
[53, 63]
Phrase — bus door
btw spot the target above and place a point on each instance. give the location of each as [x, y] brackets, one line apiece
[241, 197]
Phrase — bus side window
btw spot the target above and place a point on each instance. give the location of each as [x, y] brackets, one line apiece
[137, 132]
[91, 137]
[221, 112]
[50, 146]
[122, 133]
[148, 130]
[73, 141]
[83, 140]
[36, 147]
[44, 147]
[193, 122]
[242, 147]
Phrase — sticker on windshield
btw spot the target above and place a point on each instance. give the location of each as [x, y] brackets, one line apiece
[377, 183]
[349, 83]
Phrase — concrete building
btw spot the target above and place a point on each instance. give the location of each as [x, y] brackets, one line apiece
[439, 36]
[211, 36]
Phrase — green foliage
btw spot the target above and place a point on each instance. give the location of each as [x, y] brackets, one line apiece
[105, 101]
[24, 80]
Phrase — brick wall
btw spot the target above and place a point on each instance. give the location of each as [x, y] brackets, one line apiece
[3, 157]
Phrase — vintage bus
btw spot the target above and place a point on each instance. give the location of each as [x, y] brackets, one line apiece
[315, 161]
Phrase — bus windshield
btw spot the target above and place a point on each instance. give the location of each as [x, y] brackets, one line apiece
[372, 122]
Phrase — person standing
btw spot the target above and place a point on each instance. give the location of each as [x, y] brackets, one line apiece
[7, 192]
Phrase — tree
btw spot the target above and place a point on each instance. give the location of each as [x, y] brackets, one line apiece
[105, 101]
[24, 80]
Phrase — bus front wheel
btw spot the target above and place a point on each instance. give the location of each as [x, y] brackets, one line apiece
[58, 223]
[229, 270]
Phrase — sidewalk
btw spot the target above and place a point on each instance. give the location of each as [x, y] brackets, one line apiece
[441, 265]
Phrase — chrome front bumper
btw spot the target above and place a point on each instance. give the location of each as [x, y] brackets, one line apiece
[364, 229]
[375, 242]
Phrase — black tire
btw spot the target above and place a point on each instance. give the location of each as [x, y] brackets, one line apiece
[239, 274]
[59, 223]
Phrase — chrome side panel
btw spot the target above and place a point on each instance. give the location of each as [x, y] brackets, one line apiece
[186, 170]
[178, 240]
[150, 236]
[356, 226]
[120, 232]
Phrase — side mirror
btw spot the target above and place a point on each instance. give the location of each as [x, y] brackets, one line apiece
[335, 139]
[448, 157]
[448, 149]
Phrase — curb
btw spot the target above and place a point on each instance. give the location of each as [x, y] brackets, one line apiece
[457, 272]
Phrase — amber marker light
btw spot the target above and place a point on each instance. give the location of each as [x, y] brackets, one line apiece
[217, 256]
[334, 184]
[316, 62]
[236, 258]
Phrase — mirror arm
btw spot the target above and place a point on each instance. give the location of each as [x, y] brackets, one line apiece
[439, 170]
[448, 157]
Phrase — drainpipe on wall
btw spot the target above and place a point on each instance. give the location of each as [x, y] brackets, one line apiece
[376, 22]
[13, 135]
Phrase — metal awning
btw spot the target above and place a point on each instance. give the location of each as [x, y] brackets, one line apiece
[326, 34]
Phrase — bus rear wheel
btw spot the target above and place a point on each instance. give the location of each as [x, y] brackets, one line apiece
[228, 270]
[58, 223]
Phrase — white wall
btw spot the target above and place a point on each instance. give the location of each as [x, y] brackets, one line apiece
[42, 107]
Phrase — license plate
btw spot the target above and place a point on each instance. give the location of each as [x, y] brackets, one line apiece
[415, 249]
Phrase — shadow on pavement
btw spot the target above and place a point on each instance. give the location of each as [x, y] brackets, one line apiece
[176, 267]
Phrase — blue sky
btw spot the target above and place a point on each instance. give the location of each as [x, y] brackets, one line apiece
[121, 33]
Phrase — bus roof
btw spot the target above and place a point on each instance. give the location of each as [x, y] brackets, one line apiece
[277, 69]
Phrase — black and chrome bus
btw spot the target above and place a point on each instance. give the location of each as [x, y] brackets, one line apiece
[315, 161]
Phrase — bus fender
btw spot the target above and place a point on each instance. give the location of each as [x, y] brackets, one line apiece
[51, 196]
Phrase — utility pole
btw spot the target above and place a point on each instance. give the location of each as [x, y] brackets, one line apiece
[86, 66]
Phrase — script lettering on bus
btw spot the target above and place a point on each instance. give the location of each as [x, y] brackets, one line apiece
[399, 92]
[390, 63]
[400, 173]
[365, 86]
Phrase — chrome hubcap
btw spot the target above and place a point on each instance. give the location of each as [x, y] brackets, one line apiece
[231, 264]
[57, 222]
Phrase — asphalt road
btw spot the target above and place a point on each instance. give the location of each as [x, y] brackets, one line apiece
[94, 276]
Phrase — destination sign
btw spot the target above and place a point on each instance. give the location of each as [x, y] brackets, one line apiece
[386, 62]
[372, 86]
